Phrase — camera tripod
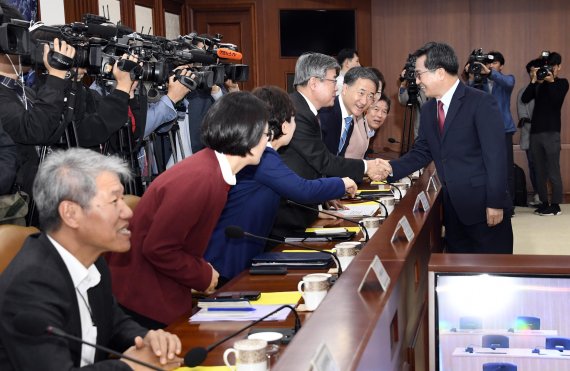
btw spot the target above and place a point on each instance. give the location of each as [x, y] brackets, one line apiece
[408, 127]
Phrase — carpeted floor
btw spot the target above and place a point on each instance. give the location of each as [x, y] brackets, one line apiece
[543, 235]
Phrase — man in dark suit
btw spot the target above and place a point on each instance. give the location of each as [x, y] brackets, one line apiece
[306, 154]
[463, 133]
[337, 122]
[59, 278]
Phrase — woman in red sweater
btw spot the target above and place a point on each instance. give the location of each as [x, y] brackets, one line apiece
[174, 219]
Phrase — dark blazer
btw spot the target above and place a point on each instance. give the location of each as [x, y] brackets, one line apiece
[469, 157]
[37, 281]
[331, 127]
[308, 156]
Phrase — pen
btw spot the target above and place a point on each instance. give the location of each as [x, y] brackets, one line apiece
[245, 309]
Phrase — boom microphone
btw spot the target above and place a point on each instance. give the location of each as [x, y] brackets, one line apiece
[234, 231]
[196, 356]
[34, 325]
[366, 237]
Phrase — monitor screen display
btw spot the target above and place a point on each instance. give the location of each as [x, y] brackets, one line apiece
[499, 322]
[322, 31]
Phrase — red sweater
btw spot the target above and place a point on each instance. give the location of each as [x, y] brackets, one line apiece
[170, 230]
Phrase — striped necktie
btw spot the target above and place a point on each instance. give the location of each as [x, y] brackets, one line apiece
[344, 135]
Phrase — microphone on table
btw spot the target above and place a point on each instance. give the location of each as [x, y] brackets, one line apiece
[34, 325]
[196, 356]
[366, 237]
[396, 187]
[372, 198]
[234, 231]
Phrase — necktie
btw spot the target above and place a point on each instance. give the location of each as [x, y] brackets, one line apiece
[347, 123]
[440, 116]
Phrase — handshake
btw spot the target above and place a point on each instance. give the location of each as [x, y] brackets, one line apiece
[378, 169]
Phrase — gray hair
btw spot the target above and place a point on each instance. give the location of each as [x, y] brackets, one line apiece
[356, 73]
[313, 65]
[70, 175]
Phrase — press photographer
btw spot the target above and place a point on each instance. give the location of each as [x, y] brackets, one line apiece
[486, 73]
[548, 92]
[30, 117]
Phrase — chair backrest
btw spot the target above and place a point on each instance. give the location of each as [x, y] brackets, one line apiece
[499, 366]
[132, 201]
[470, 323]
[557, 343]
[12, 239]
[527, 323]
[495, 341]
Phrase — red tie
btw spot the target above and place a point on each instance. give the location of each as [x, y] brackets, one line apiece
[440, 115]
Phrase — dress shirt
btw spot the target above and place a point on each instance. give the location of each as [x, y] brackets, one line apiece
[344, 114]
[83, 279]
[446, 98]
[227, 174]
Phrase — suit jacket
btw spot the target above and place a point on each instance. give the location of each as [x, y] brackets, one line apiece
[37, 281]
[308, 156]
[469, 156]
[331, 127]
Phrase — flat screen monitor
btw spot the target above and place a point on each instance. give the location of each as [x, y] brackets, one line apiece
[322, 31]
[499, 321]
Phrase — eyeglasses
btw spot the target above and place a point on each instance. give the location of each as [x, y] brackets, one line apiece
[419, 74]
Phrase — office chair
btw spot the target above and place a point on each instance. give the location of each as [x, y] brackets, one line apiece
[132, 201]
[557, 343]
[12, 239]
[470, 323]
[499, 366]
[527, 323]
[495, 341]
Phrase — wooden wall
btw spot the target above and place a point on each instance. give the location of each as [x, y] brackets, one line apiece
[520, 29]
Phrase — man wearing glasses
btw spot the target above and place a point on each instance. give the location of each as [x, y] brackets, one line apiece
[307, 154]
[337, 122]
[461, 130]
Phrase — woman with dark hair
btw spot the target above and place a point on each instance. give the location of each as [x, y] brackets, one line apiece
[175, 217]
[252, 204]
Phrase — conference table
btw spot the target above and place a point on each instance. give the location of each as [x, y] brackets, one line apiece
[524, 358]
[449, 341]
[359, 325]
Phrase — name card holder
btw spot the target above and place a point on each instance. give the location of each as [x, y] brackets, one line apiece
[433, 183]
[323, 360]
[421, 203]
[403, 225]
[380, 273]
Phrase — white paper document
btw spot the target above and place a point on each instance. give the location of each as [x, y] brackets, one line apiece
[359, 210]
[260, 310]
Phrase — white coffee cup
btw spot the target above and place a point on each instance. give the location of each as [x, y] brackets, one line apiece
[250, 354]
[389, 202]
[314, 288]
[345, 251]
[371, 224]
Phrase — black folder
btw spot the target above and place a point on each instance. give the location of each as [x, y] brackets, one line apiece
[294, 260]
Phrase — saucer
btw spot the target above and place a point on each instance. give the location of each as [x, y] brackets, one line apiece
[270, 337]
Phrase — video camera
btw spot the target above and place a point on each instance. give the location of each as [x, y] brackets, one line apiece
[477, 58]
[545, 67]
[410, 77]
[14, 36]
[99, 45]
